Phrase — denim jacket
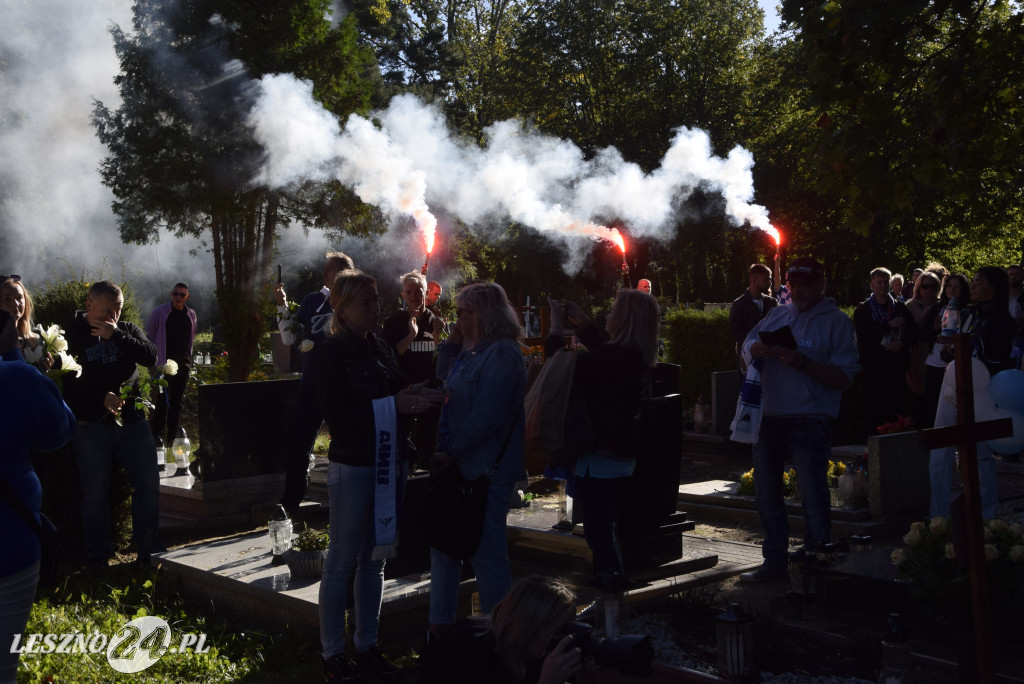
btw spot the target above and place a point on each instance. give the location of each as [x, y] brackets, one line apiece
[483, 401]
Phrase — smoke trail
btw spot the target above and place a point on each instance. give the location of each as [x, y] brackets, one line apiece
[411, 162]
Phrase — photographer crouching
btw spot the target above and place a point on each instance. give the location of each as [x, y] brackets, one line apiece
[530, 638]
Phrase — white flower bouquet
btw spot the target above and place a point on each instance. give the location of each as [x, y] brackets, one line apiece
[139, 395]
[930, 563]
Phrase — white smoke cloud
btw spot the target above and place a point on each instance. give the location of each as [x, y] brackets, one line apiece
[58, 59]
[412, 162]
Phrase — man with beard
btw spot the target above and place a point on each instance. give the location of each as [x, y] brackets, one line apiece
[751, 307]
[804, 373]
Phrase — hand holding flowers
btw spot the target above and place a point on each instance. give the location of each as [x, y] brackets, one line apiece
[139, 395]
[51, 355]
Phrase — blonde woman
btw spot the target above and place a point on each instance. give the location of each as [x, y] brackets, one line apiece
[365, 402]
[14, 298]
[613, 377]
[515, 644]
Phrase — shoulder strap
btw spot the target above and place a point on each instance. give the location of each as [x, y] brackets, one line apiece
[19, 506]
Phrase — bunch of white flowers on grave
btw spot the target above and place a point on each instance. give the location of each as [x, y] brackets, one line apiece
[930, 562]
[138, 394]
[52, 347]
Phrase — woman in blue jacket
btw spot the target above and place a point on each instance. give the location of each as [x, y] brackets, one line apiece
[486, 378]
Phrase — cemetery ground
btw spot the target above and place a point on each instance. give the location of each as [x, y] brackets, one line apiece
[836, 643]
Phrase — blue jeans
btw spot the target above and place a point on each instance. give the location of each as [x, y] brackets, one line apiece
[350, 489]
[940, 467]
[96, 447]
[808, 442]
[17, 592]
[490, 563]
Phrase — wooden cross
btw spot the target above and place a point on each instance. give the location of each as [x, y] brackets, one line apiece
[965, 435]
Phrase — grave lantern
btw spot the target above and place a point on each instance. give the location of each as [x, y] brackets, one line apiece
[181, 447]
[280, 531]
[803, 575]
[734, 636]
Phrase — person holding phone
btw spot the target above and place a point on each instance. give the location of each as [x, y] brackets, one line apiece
[802, 382]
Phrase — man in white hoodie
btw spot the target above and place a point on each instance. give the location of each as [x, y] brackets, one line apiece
[802, 385]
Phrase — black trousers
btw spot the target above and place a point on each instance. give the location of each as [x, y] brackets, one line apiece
[167, 404]
[297, 445]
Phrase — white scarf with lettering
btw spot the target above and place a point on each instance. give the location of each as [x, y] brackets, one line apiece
[386, 471]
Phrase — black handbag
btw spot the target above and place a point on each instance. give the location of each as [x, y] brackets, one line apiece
[49, 539]
[453, 508]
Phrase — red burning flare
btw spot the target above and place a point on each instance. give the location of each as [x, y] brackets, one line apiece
[618, 239]
[774, 232]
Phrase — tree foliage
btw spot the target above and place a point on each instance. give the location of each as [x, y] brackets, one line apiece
[180, 157]
[920, 119]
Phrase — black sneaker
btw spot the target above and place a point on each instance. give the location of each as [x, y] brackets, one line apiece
[372, 660]
[765, 573]
[340, 668]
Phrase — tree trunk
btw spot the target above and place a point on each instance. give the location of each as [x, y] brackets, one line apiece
[243, 240]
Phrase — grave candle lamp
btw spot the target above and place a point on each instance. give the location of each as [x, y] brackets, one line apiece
[181, 447]
[734, 638]
[280, 532]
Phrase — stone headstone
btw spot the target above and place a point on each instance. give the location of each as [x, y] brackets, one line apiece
[725, 391]
[898, 479]
[239, 427]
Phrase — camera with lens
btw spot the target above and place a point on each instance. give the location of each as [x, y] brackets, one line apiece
[630, 654]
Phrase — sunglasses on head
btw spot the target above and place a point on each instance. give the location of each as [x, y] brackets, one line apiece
[16, 278]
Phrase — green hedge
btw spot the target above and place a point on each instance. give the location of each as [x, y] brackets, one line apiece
[699, 341]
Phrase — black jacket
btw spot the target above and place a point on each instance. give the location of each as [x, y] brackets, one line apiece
[350, 373]
[870, 333]
[106, 366]
[744, 314]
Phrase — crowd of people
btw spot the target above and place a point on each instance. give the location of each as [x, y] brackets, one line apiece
[898, 347]
[416, 389]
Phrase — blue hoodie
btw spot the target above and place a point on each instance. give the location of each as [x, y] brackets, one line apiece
[823, 334]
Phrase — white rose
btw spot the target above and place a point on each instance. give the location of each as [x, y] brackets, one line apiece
[897, 556]
[997, 525]
[950, 551]
[1016, 530]
[917, 526]
[170, 367]
[1017, 553]
[938, 524]
[307, 345]
[991, 552]
[912, 537]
